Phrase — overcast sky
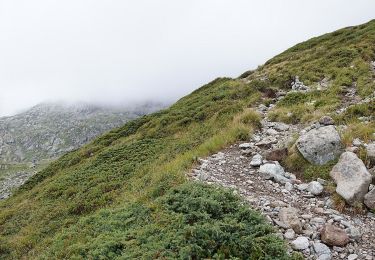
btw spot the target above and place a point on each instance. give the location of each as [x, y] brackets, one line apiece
[121, 51]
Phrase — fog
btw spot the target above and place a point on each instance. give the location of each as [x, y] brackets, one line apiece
[122, 52]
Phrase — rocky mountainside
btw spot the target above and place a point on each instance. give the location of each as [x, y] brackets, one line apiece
[49, 130]
[292, 140]
[29, 140]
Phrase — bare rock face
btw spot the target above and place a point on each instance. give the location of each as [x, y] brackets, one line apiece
[320, 145]
[289, 216]
[351, 177]
[334, 236]
[370, 199]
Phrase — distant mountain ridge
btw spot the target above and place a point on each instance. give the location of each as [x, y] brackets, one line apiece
[48, 130]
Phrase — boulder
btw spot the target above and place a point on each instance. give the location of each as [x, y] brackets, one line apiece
[277, 154]
[257, 160]
[334, 236]
[289, 216]
[320, 145]
[352, 178]
[370, 199]
[315, 188]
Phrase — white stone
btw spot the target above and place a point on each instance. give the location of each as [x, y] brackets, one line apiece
[245, 146]
[257, 160]
[315, 188]
[352, 257]
[289, 234]
[301, 243]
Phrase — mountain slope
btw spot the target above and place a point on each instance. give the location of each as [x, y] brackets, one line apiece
[125, 195]
[51, 129]
[32, 139]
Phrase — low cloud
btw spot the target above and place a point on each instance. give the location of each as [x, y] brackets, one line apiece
[121, 52]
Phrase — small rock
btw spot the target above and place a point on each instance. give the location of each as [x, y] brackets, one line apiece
[288, 186]
[355, 233]
[245, 146]
[334, 236]
[271, 131]
[352, 257]
[326, 120]
[280, 126]
[257, 160]
[357, 142]
[301, 243]
[289, 234]
[315, 188]
[321, 249]
[289, 216]
[322, 181]
[302, 186]
[273, 171]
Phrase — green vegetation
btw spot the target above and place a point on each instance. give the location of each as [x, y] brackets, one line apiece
[125, 195]
[197, 222]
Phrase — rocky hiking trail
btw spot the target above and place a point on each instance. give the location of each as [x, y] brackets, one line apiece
[302, 212]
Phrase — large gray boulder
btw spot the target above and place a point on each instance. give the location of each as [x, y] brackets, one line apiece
[352, 178]
[320, 145]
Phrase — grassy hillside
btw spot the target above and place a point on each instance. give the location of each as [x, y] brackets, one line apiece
[125, 195]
